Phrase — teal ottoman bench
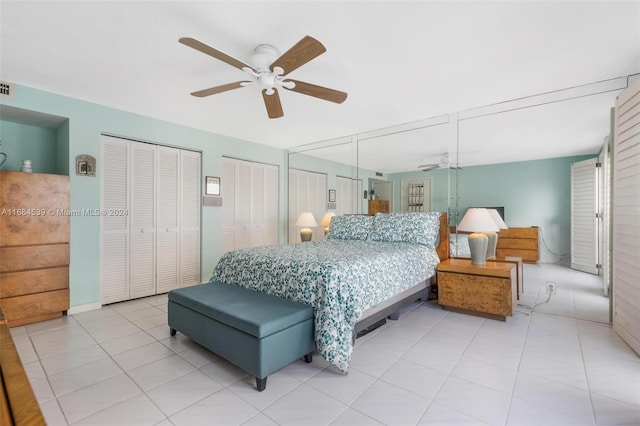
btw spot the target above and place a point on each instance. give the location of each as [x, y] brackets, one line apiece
[258, 332]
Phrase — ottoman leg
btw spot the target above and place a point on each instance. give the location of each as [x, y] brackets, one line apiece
[261, 383]
[172, 331]
[308, 358]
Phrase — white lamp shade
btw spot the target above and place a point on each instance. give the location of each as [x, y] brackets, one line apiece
[306, 219]
[477, 220]
[497, 218]
[326, 219]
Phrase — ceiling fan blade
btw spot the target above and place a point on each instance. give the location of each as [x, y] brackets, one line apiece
[302, 52]
[218, 89]
[318, 91]
[208, 50]
[272, 102]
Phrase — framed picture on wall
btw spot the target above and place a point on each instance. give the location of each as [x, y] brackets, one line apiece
[332, 195]
[212, 185]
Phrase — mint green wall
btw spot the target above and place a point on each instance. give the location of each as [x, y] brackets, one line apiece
[86, 123]
[24, 142]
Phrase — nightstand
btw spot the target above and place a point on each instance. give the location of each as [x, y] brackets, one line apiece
[485, 290]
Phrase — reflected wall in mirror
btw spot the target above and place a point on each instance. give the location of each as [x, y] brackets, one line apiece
[313, 170]
[486, 156]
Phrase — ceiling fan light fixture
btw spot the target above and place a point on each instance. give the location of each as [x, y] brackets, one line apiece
[267, 71]
[265, 55]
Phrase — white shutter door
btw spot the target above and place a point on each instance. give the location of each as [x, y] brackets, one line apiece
[270, 229]
[143, 220]
[190, 178]
[228, 193]
[257, 203]
[584, 223]
[243, 205]
[114, 276]
[294, 178]
[319, 195]
[626, 217]
[168, 256]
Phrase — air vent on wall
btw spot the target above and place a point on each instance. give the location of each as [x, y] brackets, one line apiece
[6, 89]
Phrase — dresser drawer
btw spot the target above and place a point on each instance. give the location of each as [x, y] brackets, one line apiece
[35, 281]
[20, 258]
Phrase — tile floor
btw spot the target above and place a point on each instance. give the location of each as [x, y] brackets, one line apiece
[559, 365]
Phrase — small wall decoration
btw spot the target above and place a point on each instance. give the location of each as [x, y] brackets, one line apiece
[212, 185]
[85, 165]
[332, 195]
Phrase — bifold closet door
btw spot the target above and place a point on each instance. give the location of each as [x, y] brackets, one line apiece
[114, 258]
[143, 221]
[156, 247]
[189, 218]
[168, 255]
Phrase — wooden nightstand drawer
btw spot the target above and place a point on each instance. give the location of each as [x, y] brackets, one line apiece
[488, 290]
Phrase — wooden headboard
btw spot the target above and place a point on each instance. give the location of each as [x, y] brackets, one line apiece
[443, 244]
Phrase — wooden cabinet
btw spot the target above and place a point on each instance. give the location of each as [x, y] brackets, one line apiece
[34, 246]
[487, 291]
[519, 242]
[378, 206]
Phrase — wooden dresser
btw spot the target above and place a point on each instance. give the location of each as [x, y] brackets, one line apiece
[519, 242]
[378, 206]
[34, 246]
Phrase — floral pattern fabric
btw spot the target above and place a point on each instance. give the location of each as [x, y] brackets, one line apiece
[419, 228]
[350, 227]
[340, 279]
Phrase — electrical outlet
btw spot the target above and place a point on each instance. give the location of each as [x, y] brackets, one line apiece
[551, 288]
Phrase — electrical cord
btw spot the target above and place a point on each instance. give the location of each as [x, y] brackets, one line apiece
[544, 243]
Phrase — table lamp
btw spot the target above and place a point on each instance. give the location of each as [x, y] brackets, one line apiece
[493, 236]
[477, 221]
[326, 221]
[306, 221]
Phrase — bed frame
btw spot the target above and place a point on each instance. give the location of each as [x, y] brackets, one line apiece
[389, 308]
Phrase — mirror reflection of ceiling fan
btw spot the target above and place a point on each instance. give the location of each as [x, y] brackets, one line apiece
[269, 72]
[444, 163]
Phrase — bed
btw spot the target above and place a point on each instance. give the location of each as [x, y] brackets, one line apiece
[367, 268]
[459, 244]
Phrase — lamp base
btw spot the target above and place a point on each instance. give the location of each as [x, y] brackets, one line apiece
[491, 244]
[306, 234]
[478, 247]
[326, 231]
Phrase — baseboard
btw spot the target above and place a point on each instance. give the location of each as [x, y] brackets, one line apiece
[84, 308]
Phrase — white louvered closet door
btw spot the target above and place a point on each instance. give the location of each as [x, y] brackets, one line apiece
[307, 193]
[293, 205]
[270, 217]
[114, 267]
[626, 217]
[584, 220]
[143, 220]
[243, 205]
[257, 204]
[348, 195]
[228, 193]
[190, 178]
[168, 255]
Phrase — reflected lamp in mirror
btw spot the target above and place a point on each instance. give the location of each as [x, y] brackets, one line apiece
[493, 236]
[477, 221]
[326, 221]
[306, 221]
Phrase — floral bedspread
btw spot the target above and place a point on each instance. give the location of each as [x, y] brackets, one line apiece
[339, 278]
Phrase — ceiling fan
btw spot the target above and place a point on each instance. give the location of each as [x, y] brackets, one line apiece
[269, 72]
[443, 163]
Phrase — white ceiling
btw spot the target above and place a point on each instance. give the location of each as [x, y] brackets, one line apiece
[400, 62]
